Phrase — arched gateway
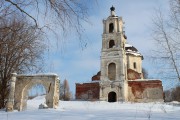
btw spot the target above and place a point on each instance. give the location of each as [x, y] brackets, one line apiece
[20, 84]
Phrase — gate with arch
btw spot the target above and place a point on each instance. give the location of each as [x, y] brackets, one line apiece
[20, 84]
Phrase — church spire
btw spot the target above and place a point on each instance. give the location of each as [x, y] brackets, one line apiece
[112, 11]
[112, 8]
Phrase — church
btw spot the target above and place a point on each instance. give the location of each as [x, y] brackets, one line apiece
[120, 77]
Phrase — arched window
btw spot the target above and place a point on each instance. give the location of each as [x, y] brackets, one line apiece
[112, 71]
[134, 64]
[111, 43]
[111, 27]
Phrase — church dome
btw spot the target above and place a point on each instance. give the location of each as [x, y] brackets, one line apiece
[131, 50]
[112, 8]
[129, 47]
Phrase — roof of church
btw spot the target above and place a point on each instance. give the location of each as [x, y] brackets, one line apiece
[130, 49]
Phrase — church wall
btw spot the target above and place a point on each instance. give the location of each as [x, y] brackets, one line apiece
[96, 77]
[87, 91]
[126, 91]
[131, 59]
[145, 91]
[104, 68]
[107, 87]
[107, 90]
[115, 24]
[133, 75]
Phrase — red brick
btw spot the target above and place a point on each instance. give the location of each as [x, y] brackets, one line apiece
[90, 90]
[140, 86]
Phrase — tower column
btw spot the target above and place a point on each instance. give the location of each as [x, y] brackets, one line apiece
[112, 59]
[10, 102]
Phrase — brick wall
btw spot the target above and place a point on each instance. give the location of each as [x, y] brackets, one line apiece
[97, 76]
[133, 75]
[150, 90]
[87, 91]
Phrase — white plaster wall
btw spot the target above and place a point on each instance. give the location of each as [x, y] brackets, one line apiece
[130, 61]
[24, 83]
[108, 87]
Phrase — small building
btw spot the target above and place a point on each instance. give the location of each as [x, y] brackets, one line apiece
[120, 77]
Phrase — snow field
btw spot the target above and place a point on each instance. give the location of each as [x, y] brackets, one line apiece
[97, 110]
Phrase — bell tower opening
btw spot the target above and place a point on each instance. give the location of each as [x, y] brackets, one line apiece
[112, 71]
[111, 28]
[111, 43]
[112, 97]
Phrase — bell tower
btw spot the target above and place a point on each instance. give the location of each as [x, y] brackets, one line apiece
[113, 60]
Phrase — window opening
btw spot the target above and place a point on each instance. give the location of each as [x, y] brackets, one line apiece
[111, 43]
[111, 27]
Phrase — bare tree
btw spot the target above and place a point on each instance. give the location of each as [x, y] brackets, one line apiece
[167, 95]
[61, 93]
[145, 73]
[176, 94]
[172, 94]
[166, 33]
[65, 93]
[21, 50]
[53, 15]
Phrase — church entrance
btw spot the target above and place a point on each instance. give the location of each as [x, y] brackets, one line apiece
[112, 97]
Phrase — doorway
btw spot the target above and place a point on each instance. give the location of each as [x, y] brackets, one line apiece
[112, 97]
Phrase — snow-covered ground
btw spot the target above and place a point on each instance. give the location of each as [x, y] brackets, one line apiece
[83, 110]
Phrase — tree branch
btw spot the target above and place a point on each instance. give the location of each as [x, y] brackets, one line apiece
[23, 11]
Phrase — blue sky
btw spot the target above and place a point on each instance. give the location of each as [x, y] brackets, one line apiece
[78, 65]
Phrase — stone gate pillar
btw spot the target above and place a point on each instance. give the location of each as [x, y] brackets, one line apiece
[10, 102]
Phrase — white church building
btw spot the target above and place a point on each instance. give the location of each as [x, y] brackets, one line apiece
[120, 77]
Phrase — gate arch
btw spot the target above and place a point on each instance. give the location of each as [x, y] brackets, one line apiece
[25, 93]
[36, 90]
[22, 83]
